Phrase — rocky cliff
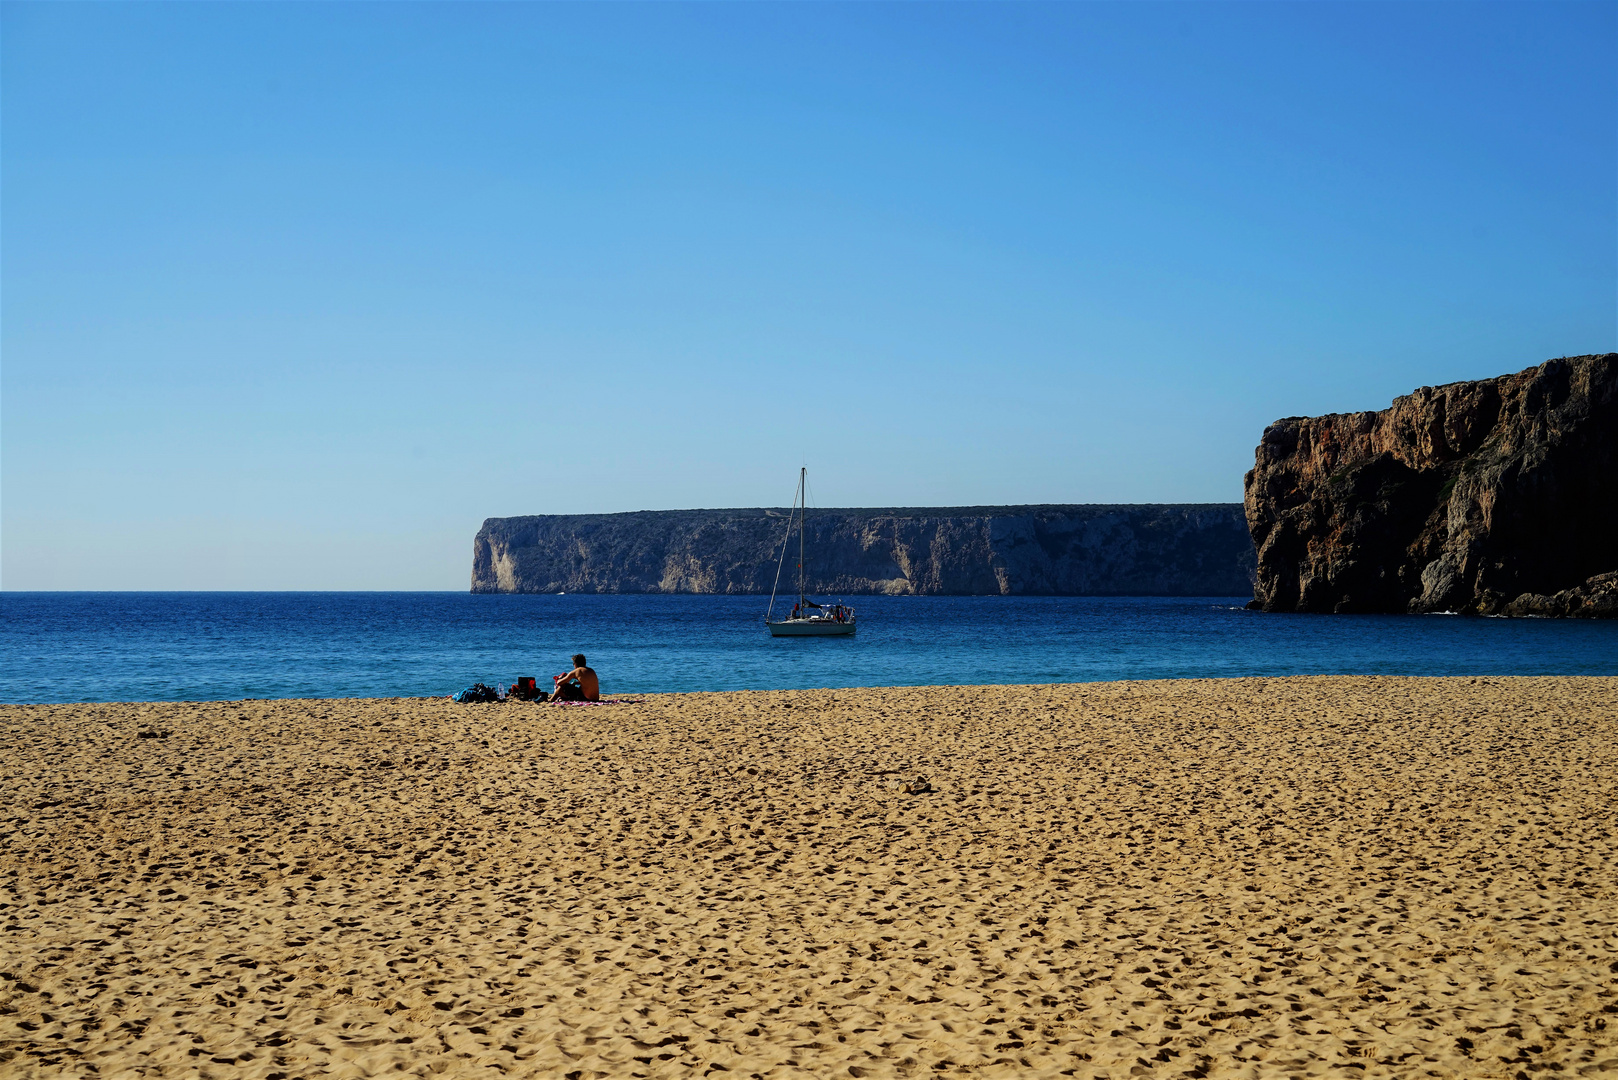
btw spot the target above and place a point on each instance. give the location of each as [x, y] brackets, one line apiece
[1490, 497]
[1200, 550]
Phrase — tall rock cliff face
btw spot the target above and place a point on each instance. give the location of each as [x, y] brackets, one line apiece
[1200, 550]
[1490, 497]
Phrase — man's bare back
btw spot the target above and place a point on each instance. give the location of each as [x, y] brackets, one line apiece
[580, 684]
[588, 683]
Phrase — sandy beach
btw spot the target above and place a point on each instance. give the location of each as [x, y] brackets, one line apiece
[1348, 877]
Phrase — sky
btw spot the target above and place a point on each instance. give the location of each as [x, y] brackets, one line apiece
[293, 296]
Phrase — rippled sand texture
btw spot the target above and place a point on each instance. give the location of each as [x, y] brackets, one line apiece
[1351, 877]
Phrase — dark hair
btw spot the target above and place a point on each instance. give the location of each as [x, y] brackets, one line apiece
[578, 660]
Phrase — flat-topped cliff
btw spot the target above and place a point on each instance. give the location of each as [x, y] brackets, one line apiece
[1128, 550]
[1491, 497]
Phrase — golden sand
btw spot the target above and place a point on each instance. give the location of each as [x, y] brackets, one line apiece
[1346, 877]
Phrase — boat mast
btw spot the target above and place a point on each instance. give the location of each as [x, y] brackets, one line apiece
[803, 508]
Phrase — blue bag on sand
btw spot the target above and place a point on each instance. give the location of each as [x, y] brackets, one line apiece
[475, 693]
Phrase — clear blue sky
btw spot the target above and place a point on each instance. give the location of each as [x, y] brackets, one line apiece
[295, 295]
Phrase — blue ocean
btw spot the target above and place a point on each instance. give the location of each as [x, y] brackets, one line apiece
[57, 647]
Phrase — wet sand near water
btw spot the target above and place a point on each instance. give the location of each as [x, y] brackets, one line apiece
[1346, 877]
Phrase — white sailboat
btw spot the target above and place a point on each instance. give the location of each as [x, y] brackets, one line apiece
[834, 620]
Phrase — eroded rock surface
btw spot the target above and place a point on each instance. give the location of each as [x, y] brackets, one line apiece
[1491, 497]
[1142, 550]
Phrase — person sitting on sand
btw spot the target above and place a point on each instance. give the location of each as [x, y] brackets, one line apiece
[580, 684]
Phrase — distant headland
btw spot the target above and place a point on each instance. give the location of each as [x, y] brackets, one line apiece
[1493, 497]
[1076, 550]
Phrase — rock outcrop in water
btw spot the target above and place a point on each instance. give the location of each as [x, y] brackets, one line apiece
[1490, 497]
[1143, 550]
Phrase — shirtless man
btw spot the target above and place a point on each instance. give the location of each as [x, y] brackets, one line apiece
[580, 684]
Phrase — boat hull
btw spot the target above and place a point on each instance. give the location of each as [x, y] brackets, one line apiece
[810, 628]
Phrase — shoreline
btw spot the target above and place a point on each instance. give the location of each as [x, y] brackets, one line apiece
[1217, 877]
[643, 696]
